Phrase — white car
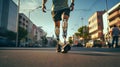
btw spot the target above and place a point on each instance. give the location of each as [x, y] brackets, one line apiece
[94, 43]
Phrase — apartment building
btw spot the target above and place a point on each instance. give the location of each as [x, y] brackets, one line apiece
[8, 16]
[23, 21]
[114, 15]
[110, 18]
[40, 33]
[96, 25]
[34, 33]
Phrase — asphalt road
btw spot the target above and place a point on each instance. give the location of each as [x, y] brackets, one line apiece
[47, 57]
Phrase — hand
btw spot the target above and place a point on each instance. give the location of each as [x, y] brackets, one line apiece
[72, 6]
[44, 8]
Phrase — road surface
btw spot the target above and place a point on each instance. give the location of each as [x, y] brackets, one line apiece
[47, 57]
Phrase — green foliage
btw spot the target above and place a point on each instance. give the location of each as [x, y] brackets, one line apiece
[83, 32]
[78, 34]
[70, 40]
[22, 33]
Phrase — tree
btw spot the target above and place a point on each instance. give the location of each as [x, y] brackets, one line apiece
[22, 33]
[70, 40]
[78, 34]
[83, 32]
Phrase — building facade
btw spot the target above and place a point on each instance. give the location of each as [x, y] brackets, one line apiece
[34, 33]
[1, 3]
[8, 15]
[12, 17]
[96, 25]
[114, 15]
[110, 18]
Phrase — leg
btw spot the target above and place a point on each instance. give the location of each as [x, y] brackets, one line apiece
[65, 17]
[67, 47]
[116, 38]
[56, 15]
[65, 26]
[113, 39]
[57, 29]
[57, 32]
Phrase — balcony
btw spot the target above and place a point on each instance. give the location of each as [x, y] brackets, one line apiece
[116, 21]
[116, 13]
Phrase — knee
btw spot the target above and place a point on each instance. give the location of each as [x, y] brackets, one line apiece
[57, 24]
[65, 17]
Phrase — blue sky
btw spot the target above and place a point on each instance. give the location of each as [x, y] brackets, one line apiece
[83, 9]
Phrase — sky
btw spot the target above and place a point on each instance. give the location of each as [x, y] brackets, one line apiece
[83, 9]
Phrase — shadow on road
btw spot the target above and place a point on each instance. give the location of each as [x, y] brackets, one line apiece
[95, 53]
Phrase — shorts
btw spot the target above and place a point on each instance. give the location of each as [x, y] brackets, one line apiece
[56, 15]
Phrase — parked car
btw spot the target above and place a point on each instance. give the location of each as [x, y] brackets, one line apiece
[94, 43]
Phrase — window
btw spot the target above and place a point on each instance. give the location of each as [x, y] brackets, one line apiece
[20, 17]
[23, 19]
[26, 21]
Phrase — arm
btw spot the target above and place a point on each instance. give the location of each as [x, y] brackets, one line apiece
[72, 5]
[43, 5]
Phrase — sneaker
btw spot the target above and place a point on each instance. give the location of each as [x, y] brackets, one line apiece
[58, 49]
[63, 51]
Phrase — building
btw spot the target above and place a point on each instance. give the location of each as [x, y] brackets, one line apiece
[34, 33]
[114, 15]
[110, 18]
[28, 25]
[105, 23]
[8, 16]
[40, 33]
[8, 23]
[96, 25]
[1, 3]
[23, 21]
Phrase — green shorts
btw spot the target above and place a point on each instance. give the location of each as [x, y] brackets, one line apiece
[56, 15]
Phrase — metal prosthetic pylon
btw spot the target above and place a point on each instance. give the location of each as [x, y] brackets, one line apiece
[65, 26]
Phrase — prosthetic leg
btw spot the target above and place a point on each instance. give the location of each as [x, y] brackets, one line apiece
[57, 32]
[64, 26]
[66, 46]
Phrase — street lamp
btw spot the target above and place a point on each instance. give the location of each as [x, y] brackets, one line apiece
[34, 9]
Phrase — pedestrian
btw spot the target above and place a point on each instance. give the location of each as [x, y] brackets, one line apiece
[115, 36]
[60, 11]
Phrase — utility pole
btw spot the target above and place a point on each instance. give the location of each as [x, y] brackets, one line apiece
[17, 23]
